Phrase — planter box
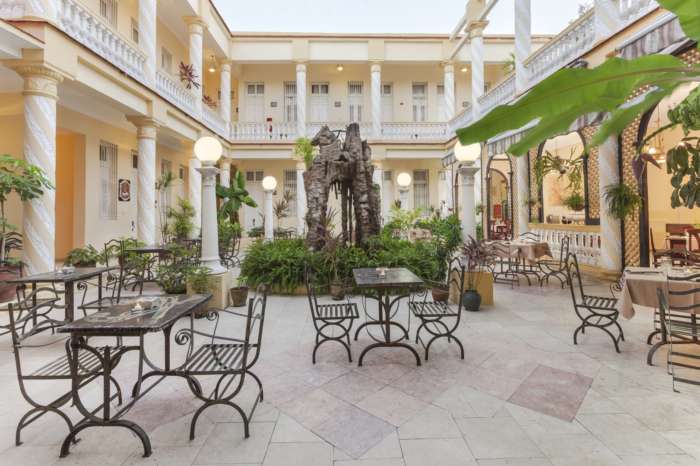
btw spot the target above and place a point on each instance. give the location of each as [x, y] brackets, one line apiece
[485, 288]
[219, 284]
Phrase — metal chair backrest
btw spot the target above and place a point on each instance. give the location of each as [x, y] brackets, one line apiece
[255, 323]
[564, 250]
[529, 236]
[456, 270]
[311, 289]
[573, 271]
[27, 319]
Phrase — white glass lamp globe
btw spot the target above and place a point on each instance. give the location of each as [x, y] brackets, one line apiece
[470, 153]
[269, 183]
[403, 180]
[208, 149]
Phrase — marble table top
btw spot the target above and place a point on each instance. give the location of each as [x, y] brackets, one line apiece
[394, 278]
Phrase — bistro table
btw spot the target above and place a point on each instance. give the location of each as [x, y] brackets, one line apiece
[639, 289]
[526, 254]
[397, 279]
[68, 280]
[123, 321]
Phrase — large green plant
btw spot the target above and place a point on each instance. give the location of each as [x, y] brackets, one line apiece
[234, 197]
[621, 200]
[22, 178]
[556, 102]
[181, 216]
[304, 150]
[163, 189]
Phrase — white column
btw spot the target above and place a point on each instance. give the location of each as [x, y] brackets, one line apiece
[225, 89]
[376, 100]
[522, 209]
[607, 18]
[147, 37]
[449, 186]
[269, 227]
[476, 31]
[378, 179]
[146, 229]
[225, 172]
[196, 27]
[523, 43]
[210, 232]
[449, 96]
[466, 173]
[301, 99]
[195, 193]
[610, 229]
[301, 199]
[39, 215]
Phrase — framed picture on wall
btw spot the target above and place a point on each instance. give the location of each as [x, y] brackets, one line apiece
[124, 190]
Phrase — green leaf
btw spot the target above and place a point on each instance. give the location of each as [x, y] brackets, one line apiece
[557, 101]
[688, 12]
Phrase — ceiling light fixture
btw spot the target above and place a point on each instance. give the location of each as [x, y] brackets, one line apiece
[464, 69]
[339, 68]
[212, 66]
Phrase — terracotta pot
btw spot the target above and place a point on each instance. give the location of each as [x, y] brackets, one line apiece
[238, 295]
[440, 295]
[337, 290]
[8, 290]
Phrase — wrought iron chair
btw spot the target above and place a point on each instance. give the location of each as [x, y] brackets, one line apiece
[433, 315]
[529, 236]
[228, 358]
[555, 268]
[27, 321]
[680, 325]
[502, 265]
[329, 317]
[676, 255]
[116, 282]
[594, 311]
[229, 253]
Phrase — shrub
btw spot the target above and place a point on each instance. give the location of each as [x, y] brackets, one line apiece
[278, 263]
[87, 256]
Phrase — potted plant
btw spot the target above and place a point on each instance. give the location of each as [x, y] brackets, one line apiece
[575, 202]
[239, 294]
[198, 282]
[336, 285]
[24, 179]
[84, 257]
[188, 77]
[475, 255]
[162, 186]
[181, 217]
[622, 200]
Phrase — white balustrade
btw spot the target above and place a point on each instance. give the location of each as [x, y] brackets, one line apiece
[175, 92]
[461, 120]
[282, 131]
[415, 131]
[500, 94]
[585, 244]
[12, 9]
[315, 126]
[631, 10]
[90, 30]
[215, 121]
[566, 46]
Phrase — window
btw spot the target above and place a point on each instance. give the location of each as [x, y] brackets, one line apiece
[355, 101]
[108, 181]
[134, 159]
[108, 10]
[181, 172]
[255, 102]
[166, 60]
[254, 176]
[388, 175]
[319, 102]
[134, 30]
[419, 102]
[442, 109]
[387, 102]
[290, 101]
[290, 186]
[421, 198]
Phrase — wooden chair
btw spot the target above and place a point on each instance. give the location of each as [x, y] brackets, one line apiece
[329, 317]
[229, 359]
[439, 319]
[594, 311]
[676, 255]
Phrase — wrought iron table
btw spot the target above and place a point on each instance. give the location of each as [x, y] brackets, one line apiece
[397, 279]
[68, 280]
[122, 321]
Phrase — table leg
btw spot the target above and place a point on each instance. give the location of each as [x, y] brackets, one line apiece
[69, 300]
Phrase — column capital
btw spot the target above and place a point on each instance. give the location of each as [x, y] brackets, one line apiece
[195, 24]
[301, 166]
[377, 165]
[225, 63]
[145, 126]
[376, 67]
[467, 172]
[301, 66]
[39, 78]
[476, 28]
[448, 66]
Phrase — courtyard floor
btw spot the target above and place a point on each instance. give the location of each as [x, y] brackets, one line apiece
[523, 396]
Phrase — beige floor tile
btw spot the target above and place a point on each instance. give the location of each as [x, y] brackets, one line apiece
[392, 405]
[352, 387]
[436, 452]
[299, 454]
[375, 462]
[387, 448]
[497, 438]
[287, 430]
[431, 422]
[226, 444]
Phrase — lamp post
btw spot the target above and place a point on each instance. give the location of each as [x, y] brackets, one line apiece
[404, 181]
[269, 183]
[208, 150]
[467, 156]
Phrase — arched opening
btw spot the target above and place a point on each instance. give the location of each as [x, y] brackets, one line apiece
[662, 226]
[499, 197]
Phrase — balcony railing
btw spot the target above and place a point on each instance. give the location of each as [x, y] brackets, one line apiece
[464, 118]
[500, 94]
[629, 10]
[415, 131]
[584, 243]
[82, 25]
[12, 9]
[572, 42]
[213, 120]
[315, 126]
[175, 92]
[283, 131]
